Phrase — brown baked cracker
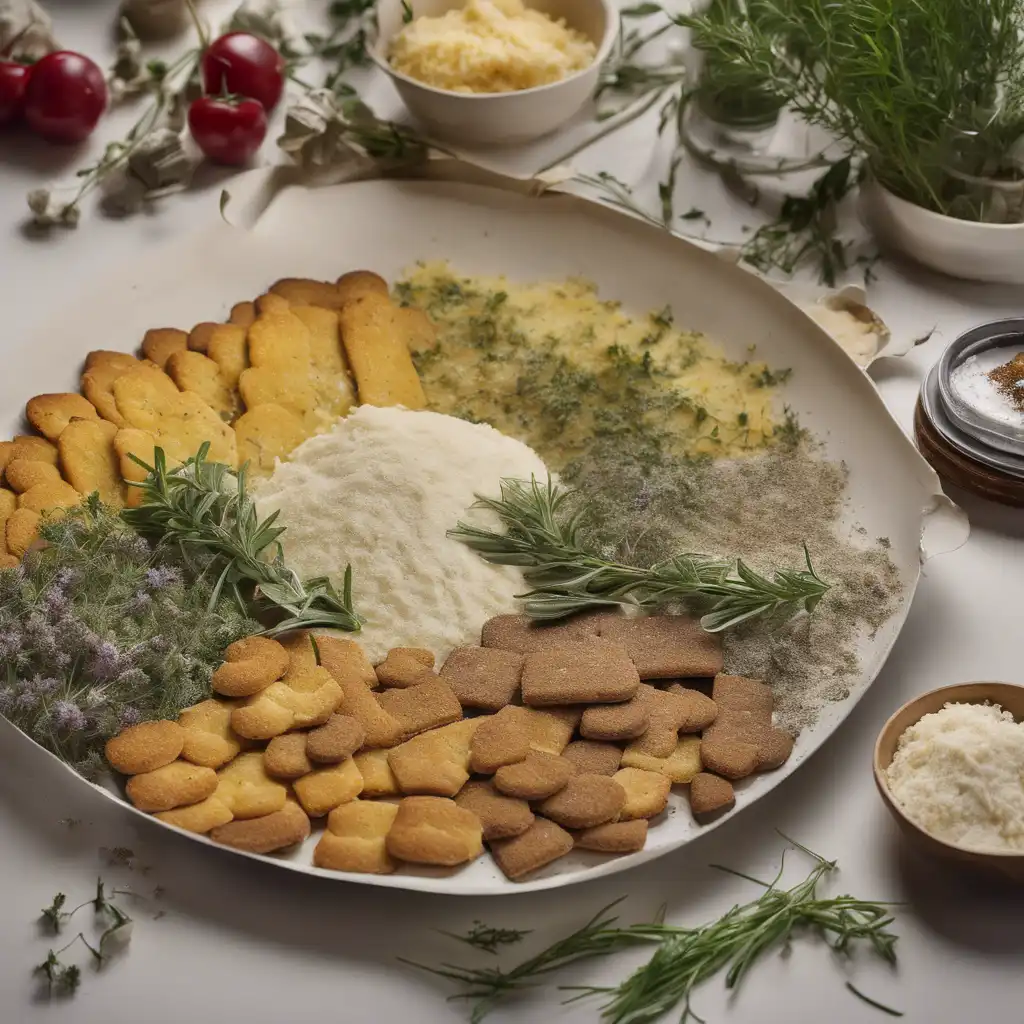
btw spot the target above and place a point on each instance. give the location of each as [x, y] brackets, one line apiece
[337, 739]
[499, 740]
[646, 792]
[356, 838]
[434, 830]
[623, 721]
[742, 738]
[244, 785]
[680, 766]
[700, 709]
[524, 635]
[102, 368]
[50, 414]
[160, 343]
[592, 757]
[328, 787]
[286, 827]
[374, 332]
[345, 660]
[672, 711]
[209, 739]
[144, 747]
[199, 818]
[501, 816]
[483, 677]
[665, 646]
[89, 461]
[538, 776]
[422, 707]
[594, 671]
[195, 372]
[585, 801]
[709, 795]
[172, 785]
[541, 844]
[285, 757]
[614, 837]
[382, 728]
[406, 666]
[435, 763]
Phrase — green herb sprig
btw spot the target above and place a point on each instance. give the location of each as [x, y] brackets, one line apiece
[543, 538]
[487, 939]
[204, 509]
[685, 957]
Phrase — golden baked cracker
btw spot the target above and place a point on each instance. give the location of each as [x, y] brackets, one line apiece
[34, 448]
[551, 730]
[680, 766]
[8, 561]
[417, 329]
[378, 778]
[199, 336]
[301, 653]
[325, 350]
[89, 461]
[102, 368]
[192, 371]
[281, 707]
[501, 816]
[20, 530]
[242, 313]
[8, 502]
[304, 291]
[173, 785]
[199, 818]
[180, 422]
[435, 762]
[144, 747]
[227, 347]
[24, 474]
[268, 302]
[542, 843]
[265, 434]
[359, 282]
[50, 414]
[378, 351]
[585, 801]
[405, 666]
[285, 756]
[129, 441]
[271, 832]
[250, 665]
[160, 343]
[614, 837]
[6, 454]
[209, 739]
[646, 792]
[345, 660]
[328, 787]
[356, 838]
[244, 785]
[434, 830]
[46, 497]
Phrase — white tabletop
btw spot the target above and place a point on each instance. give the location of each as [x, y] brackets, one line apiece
[232, 940]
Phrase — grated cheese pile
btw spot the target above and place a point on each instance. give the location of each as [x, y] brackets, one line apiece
[380, 491]
[490, 46]
[959, 774]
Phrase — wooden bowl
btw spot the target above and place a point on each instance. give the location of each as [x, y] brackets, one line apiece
[1010, 697]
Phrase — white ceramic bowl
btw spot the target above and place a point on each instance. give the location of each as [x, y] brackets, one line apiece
[961, 248]
[499, 119]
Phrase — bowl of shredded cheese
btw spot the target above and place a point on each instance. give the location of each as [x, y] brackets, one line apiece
[950, 767]
[493, 72]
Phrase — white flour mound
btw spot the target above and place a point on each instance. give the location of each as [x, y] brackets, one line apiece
[379, 493]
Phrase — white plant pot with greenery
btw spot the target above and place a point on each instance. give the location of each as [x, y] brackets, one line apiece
[966, 249]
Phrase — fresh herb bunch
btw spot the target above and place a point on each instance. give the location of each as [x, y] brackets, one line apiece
[567, 578]
[685, 957]
[202, 511]
[929, 93]
[99, 631]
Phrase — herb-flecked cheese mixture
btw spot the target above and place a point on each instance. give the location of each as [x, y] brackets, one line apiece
[555, 366]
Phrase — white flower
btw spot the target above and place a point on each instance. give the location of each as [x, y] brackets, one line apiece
[48, 210]
[160, 162]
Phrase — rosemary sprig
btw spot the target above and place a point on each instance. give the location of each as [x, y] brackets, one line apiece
[487, 939]
[204, 508]
[566, 578]
[685, 957]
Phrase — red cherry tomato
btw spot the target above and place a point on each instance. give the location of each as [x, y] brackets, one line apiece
[66, 96]
[13, 83]
[244, 65]
[228, 131]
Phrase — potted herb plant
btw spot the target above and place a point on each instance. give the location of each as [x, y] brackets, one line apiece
[930, 95]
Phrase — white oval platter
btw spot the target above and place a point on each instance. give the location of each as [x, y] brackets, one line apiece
[388, 225]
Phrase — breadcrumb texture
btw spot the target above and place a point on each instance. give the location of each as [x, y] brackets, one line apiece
[379, 493]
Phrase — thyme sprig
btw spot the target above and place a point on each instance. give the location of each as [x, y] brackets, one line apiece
[685, 957]
[488, 939]
[543, 538]
[204, 508]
